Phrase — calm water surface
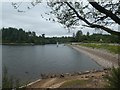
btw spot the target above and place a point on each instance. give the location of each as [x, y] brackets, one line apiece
[28, 62]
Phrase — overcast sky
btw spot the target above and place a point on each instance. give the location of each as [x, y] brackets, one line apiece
[32, 21]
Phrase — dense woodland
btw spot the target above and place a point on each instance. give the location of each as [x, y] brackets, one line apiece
[14, 35]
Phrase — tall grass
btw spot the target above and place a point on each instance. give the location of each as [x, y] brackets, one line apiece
[109, 47]
[9, 81]
[113, 78]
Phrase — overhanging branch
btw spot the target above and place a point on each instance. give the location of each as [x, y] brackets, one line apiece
[93, 25]
[105, 11]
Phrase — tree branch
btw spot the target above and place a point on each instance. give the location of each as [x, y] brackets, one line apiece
[105, 11]
[93, 25]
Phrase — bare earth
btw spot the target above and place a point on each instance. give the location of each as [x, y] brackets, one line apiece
[93, 79]
[101, 57]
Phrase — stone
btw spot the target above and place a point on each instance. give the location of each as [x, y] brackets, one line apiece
[62, 76]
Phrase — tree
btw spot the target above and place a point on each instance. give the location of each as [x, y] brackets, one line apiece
[100, 15]
[73, 12]
[43, 35]
[88, 34]
[43, 39]
[78, 36]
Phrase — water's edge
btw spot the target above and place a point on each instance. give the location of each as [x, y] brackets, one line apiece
[99, 60]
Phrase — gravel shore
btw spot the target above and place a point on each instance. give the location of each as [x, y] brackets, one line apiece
[102, 57]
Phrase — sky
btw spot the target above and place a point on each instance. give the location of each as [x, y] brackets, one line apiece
[31, 20]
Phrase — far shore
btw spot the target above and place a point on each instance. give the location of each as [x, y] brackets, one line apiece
[17, 43]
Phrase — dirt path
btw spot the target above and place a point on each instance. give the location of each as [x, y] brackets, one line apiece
[48, 83]
[57, 85]
[42, 83]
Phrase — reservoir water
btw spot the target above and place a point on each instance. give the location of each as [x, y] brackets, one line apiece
[28, 62]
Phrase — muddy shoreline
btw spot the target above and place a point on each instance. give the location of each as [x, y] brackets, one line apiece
[103, 58]
[58, 77]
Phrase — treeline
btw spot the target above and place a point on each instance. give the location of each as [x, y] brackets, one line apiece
[96, 38]
[14, 35]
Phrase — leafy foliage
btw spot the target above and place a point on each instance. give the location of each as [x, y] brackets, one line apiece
[13, 35]
[17, 35]
[79, 36]
[114, 78]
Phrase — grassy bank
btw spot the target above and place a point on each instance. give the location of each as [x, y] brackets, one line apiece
[109, 47]
[75, 83]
